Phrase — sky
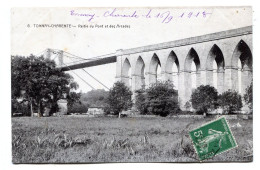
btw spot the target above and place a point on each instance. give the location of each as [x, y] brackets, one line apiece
[147, 26]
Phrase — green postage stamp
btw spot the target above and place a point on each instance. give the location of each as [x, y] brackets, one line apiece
[212, 139]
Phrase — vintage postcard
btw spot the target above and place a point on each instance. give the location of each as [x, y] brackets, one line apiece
[118, 84]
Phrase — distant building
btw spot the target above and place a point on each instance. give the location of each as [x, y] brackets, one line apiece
[95, 110]
[63, 109]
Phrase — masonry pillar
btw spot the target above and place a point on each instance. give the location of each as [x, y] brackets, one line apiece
[188, 86]
[209, 77]
[119, 67]
[228, 78]
[181, 90]
[136, 82]
[60, 57]
[203, 76]
[185, 88]
[166, 76]
[247, 77]
[47, 53]
[198, 79]
[234, 79]
[220, 80]
[151, 78]
[125, 79]
[145, 80]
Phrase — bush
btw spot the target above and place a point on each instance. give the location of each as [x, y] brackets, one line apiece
[248, 97]
[95, 98]
[162, 99]
[107, 109]
[22, 108]
[230, 101]
[140, 101]
[119, 98]
[78, 108]
[204, 98]
[187, 106]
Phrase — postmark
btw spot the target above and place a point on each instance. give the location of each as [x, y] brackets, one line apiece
[212, 139]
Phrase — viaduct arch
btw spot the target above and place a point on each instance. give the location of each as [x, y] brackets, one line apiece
[222, 59]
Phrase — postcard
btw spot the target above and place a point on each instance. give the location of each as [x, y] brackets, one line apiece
[144, 84]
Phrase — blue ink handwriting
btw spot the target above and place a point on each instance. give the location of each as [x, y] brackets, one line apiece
[163, 16]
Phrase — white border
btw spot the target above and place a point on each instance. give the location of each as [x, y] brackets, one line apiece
[5, 85]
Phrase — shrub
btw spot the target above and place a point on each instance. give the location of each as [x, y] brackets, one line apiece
[119, 98]
[23, 108]
[248, 97]
[162, 99]
[230, 101]
[204, 98]
[107, 109]
[187, 106]
[95, 98]
[78, 108]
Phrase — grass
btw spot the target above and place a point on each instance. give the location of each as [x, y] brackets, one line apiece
[104, 139]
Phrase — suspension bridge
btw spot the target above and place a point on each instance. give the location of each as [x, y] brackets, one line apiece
[70, 62]
[226, 54]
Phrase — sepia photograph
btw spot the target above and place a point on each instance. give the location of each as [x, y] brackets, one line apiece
[131, 84]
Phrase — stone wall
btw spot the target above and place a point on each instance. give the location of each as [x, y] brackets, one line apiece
[225, 48]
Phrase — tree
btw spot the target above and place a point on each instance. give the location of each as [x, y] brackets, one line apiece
[187, 106]
[204, 98]
[60, 86]
[74, 104]
[38, 81]
[248, 96]
[141, 101]
[230, 101]
[162, 98]
[95, 98]
[119, 98]
[73, 98]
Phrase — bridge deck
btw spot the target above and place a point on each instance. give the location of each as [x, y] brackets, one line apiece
[84, 64]
[111, 58]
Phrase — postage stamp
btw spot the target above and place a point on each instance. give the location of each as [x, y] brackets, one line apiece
[212, 139]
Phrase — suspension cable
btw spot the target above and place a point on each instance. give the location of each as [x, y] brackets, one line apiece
[77, 57]
[41, 52]
[81, 78]
[74, 55]
[93, 77]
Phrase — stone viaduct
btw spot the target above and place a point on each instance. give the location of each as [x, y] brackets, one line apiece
[230, 51]
[221, 59]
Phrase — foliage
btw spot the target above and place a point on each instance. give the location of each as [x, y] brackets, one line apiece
[204, 98]
[38, 81]
[162, 98]
[78, 108]
[95, 98]
[119, 98]
[22, 108]
[73, 98]
[107, 109]
[230, 101]
[187, 106]
[248, 96]
[141, 101]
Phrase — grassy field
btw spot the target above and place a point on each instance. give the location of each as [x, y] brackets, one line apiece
[104, 139]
